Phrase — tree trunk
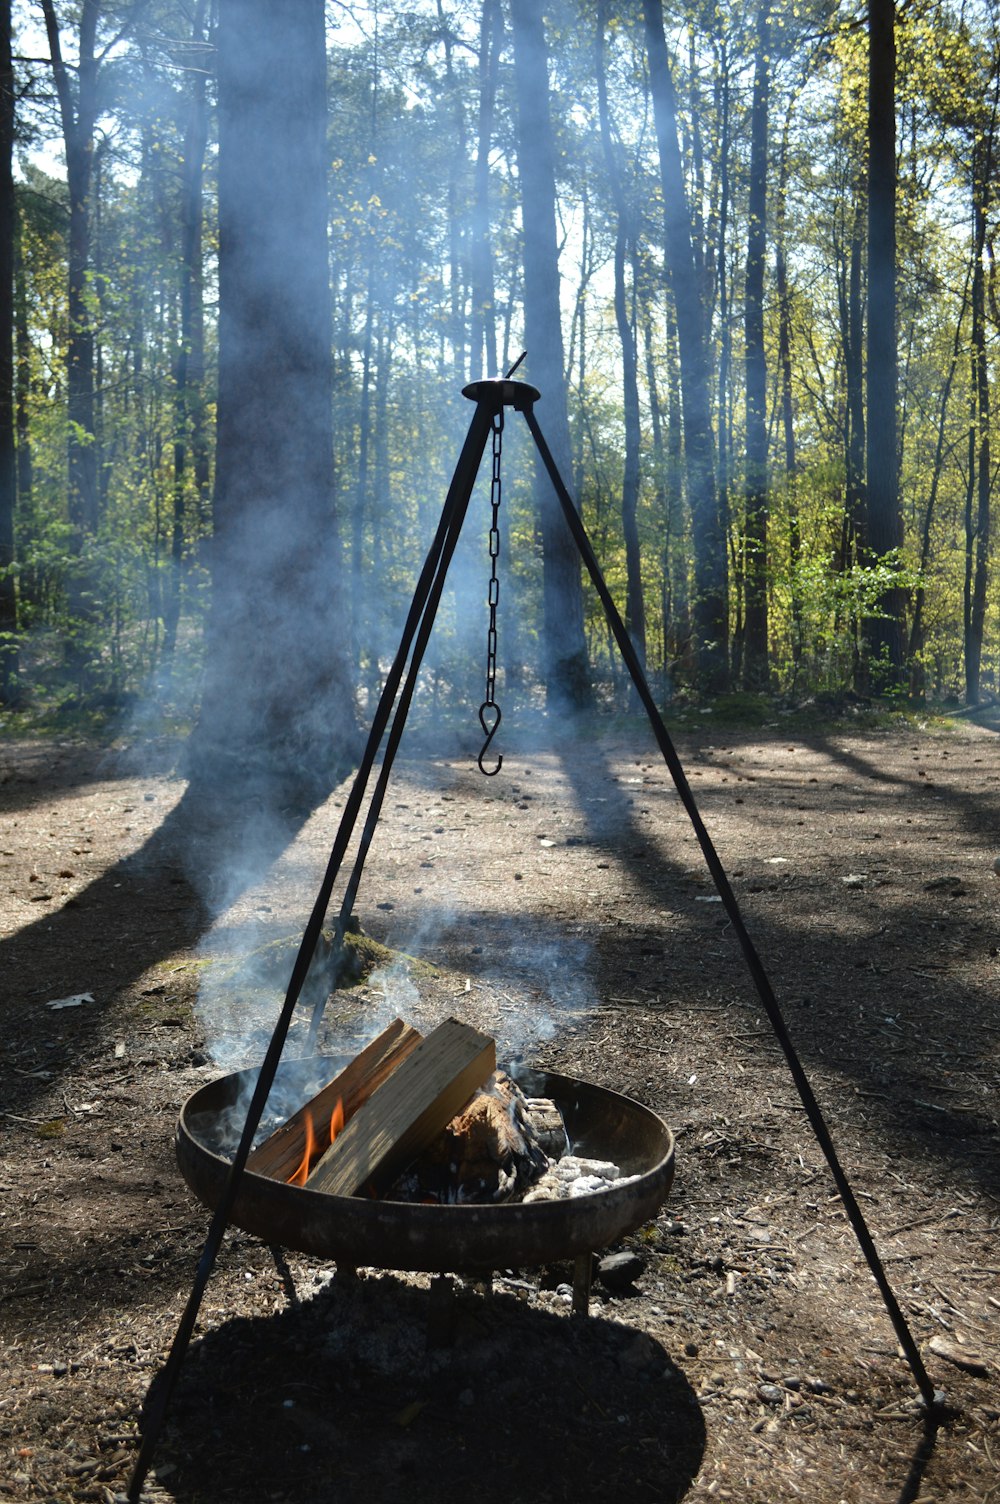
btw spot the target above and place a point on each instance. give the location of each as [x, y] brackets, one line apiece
[22, 343]
[578, 349]
[666, 507]
[977, 512]
[725, 363]
[482, 323]
[679, 617]
[278, 704]
[788, 404]
[884, 533]
[78, 116]
[710, 607]
[360, 605]
[918, 677]
[635, 611]
[566, 671]
[755, 665]
[457, 160]
[849, 286]
[8, 468]
[78, 113]
[189, 365]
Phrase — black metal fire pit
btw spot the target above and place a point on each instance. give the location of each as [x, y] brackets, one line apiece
[355, 1230]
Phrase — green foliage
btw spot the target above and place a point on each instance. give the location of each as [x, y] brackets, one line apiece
[94, 620]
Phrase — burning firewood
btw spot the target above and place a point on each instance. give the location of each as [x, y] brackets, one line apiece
[495, 1148]
[284, 1154]
[492, 1151]
[408, 1111]
[547, 1125]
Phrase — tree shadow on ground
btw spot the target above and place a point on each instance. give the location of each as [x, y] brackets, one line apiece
[342, 1399]
[978, 814]
[901, 1087]
[157, 901]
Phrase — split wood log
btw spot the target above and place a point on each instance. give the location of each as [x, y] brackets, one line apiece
[420, 1097]
[281, 1155]
[489, 1152]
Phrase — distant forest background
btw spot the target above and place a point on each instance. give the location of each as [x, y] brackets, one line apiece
[750, 251]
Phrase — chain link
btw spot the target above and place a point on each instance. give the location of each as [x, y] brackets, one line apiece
[489, 711]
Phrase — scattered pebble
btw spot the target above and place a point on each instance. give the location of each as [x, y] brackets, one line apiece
[619, 1271]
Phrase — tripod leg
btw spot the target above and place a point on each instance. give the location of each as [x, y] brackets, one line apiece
[397, 727]
[418, 625]
[754, 963]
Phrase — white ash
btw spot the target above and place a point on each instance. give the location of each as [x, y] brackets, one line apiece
[574, 1176]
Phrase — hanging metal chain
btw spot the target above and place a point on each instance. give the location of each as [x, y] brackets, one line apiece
[489, 711]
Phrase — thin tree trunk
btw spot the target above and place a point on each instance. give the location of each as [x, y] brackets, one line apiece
[884, 533]
[635, 611]
[578, 348]
[977, 516]
[788, 404]
[22, 341]
[482, 322]
[916, 643]
[8, 467]
[680, 616]
[850, 297]
[698, 237]
[78, 116]
[710, 607]
[725, 367]
[755, 666]
[660, 491]
[566, 670]
[360, 502]
[457, 159]
[189, 365]
[380, 496]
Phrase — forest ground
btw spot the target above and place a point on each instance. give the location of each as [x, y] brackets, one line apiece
[563, 906]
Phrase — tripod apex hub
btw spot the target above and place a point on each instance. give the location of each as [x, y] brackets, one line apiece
[500, 391]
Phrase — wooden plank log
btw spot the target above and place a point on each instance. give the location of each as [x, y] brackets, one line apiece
[400, 1119]
[281, 1155]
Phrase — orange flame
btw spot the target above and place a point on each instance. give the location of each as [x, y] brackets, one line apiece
[314, 1148]
[301, 1174]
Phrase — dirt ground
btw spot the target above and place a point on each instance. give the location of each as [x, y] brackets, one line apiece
[564, 907]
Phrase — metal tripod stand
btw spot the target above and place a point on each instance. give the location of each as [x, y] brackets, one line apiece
[491, 398]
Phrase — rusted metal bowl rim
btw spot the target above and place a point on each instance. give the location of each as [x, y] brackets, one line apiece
[602, 1125]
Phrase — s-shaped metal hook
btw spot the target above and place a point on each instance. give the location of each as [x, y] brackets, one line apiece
[490, 732]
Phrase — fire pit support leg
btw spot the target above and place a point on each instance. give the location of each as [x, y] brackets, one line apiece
[441, 1315]
[582, 1273]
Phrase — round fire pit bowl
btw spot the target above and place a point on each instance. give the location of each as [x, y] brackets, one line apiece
[354, 1230]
